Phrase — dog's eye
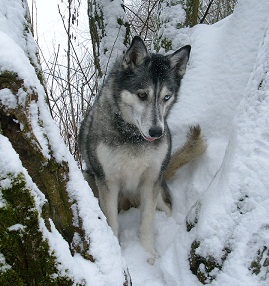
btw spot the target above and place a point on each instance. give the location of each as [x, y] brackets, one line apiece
[142, 95]
[167, 97]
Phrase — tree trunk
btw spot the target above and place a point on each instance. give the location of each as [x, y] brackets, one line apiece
[40, 205]
[109, 34]
[191, 9]
[171, 19]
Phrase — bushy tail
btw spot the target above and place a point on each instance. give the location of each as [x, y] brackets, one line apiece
[194, 147]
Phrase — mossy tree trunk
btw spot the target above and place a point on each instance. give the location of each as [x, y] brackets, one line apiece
[49, 175]
[25, 248]
[36, 200]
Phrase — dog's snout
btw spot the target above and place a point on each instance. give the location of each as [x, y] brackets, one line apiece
[155, 132]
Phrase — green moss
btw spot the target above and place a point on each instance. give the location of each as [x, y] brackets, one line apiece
[189, 225]
[28, 30]
[11, 81]
[38, 71]
[193, 215]
[205, 268]
[162, 43]
[10, 277]
[166, 44]
[127, 34]
[261, 261]
[120, 21]
[23, 246]
[126, 40]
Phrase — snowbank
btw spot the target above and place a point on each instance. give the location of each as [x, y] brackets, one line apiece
[18, 55]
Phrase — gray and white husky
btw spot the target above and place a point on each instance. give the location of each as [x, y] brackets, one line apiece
[125, 141]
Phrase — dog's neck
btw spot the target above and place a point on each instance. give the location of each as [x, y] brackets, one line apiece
[127, 132]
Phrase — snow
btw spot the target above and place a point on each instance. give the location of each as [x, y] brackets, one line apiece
[16, 227]
[8, 99]
[3, 265]
[226, 91]
[80, 268]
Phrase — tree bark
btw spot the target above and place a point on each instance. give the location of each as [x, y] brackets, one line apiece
[110, 36]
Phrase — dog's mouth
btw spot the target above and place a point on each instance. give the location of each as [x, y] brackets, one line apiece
[151, 139]
[148, 137]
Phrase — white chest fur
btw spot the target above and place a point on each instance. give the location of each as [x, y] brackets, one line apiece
[127, 167]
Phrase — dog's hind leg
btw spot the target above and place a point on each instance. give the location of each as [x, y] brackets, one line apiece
[109, 204]
[164, 202]
[162, 206]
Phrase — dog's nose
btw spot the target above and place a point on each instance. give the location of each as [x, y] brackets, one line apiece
[155, 132]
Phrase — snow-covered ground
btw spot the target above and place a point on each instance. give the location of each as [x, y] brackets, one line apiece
[226, 91]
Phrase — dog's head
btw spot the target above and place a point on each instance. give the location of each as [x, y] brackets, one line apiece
[147, 86]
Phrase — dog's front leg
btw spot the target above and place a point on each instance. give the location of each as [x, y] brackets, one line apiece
[109, 204]
[149, 195]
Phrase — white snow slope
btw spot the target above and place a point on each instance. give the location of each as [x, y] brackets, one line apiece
[225, 192]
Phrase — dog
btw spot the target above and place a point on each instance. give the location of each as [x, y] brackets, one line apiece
[125, 141]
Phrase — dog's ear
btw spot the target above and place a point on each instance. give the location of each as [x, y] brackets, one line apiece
[179, 60]
[135, 54]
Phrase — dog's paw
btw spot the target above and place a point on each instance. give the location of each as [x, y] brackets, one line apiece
[153, 256]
